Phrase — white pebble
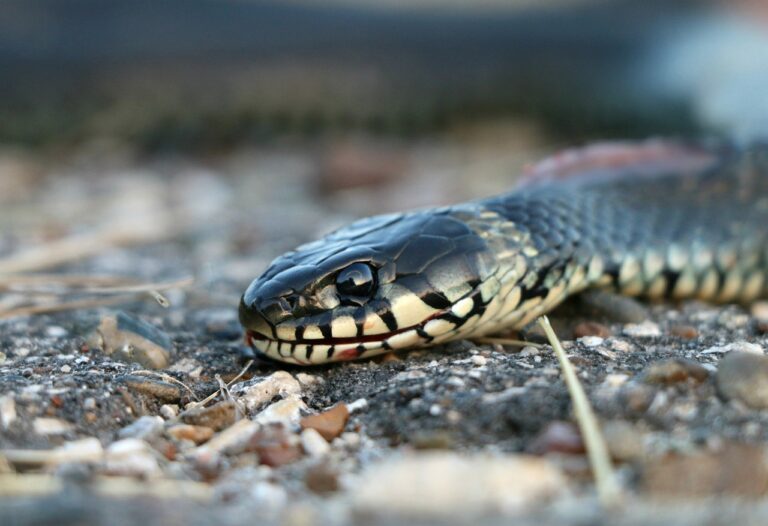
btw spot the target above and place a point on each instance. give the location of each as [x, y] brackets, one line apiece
[65, 369]
[54, 331]
[591, 341]
[314, 444]
[169, 411]
[479, 360]
[646, 329]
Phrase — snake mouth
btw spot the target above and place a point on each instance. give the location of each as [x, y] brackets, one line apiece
[306, 351]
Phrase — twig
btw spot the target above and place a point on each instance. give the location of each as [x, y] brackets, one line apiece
[220, 391]
[89, 303]
[608, 489]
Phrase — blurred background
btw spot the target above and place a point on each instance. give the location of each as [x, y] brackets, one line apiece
[249, 126]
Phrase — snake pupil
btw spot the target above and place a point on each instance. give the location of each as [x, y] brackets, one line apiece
[356, 280]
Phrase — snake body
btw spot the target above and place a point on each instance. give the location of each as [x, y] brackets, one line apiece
[653, 219]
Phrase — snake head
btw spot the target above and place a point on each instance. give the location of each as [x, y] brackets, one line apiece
[382, 283]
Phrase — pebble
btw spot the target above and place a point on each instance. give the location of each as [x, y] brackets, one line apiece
[89, 404]
[646, 329]
[196, 434]
[169, 411]
[275, 446]
[218, 416]
[591, 341]
[262, 391]
[361, 404]
[54, 331]
[51, 426]
[164, 391]
[314, 444]
[687, 332]
[558, 437]
[744, 376]
[479, 360]
[591, 328]
[736, 470]
[674, 371]
[188, 366]
[7, 411]
[739, 346]
[330, 423]
[759, 310]
[286, 411]
[322, 479]
[447, 484]
[65, 369]
[86, 450]
[129, 339]
[624, 440]
[131, 457]
[232, 440]
[144, 428]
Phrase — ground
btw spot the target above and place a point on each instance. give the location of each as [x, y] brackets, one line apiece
[466, 431]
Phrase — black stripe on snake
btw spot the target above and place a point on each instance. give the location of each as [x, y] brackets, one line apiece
[655, 219]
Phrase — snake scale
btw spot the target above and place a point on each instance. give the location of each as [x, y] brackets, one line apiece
[654, 219]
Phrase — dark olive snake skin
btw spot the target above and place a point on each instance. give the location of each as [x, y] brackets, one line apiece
[653, 219]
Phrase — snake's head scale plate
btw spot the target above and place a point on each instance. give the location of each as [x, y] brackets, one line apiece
[382, 283]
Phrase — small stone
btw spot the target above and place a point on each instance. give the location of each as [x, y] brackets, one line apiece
[286, 412]
[591, 341]
[7, 411]
[736, 470]
[479, 360]
[87, 450]
[308, 380]
[164, 391]
[54, 331]
[131, 457]
[591, 328]
[218, 416]
[739, 346]
[196, 434]
[90, 417]
[637, 397]
[169, 411]
[232, 440]
[687, 332]
[322, 479]
[759, 310]
[132, 340]
[314, 444]
[65, 369]
[188, 366]
[89, 404]
[558, 437]
[51, 426]
[646, 329]
[674, 371]
[447, 484]
[259, 393]
[744, 376]
[624, 440]
[330, 423]
[361, 404]
[143, 428]
[275, 446]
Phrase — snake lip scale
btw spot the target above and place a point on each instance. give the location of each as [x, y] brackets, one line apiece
[655, 219]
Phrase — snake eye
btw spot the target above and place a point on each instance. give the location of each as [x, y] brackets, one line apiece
[356, 280]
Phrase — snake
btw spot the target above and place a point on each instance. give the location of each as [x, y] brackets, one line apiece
[657, 219]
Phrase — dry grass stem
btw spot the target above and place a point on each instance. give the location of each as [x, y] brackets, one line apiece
[608, 489]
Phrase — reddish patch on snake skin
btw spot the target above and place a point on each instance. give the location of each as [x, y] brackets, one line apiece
[620, 159]
[349, 354]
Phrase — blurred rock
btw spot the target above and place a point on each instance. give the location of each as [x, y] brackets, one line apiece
[131, 457]
[624, 440]
[322, 478]
[51, 426]
[129, 339]
[314, 444]
[286, 412]
[255, 394]
[218, 416]
[591, 328]
[744, 376]
[687, 332]
[646, 329]
[558, 437]
[163, 391]
[7, 411]
[736, 470]
[330, 423]
[674, 371]
[275, 445]
[452, 485]
[196, 434]
[232, 440]
[143, 428]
